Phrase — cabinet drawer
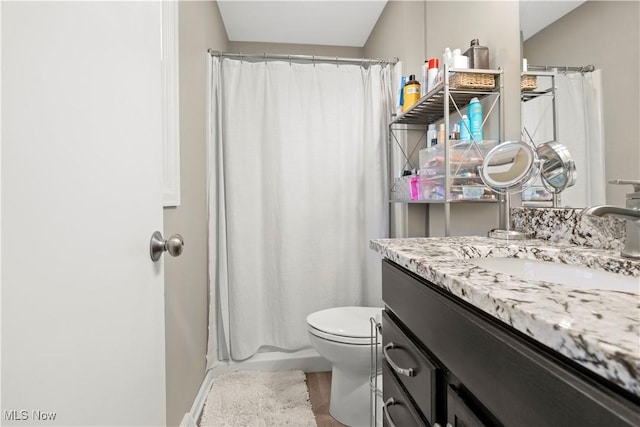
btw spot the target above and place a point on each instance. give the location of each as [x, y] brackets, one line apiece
[414, 370]
[397, 410]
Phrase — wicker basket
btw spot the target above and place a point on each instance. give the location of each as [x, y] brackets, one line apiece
[472, 81]
[528, 82]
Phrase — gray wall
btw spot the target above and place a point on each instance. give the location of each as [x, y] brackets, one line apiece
[605, 34]
[415, 31]
[296, 49]
[186, 289]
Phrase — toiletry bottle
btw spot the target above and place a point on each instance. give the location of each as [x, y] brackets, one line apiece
[447, 58]
[424, 69]
[432, 73]
[465, 126]
[441, 133]
[475, 119]
[455, 132]
[403, 81]
[432, 135]
[414, 186]
[458, 60]
[478, 55]
[411, 92]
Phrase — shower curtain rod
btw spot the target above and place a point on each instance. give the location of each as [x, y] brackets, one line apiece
[309, 58]
[585, 69]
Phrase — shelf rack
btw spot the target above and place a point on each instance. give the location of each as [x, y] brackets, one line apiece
[439, 104]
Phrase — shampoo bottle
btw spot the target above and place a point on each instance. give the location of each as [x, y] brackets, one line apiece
[411, 92]
[465, 126]
[475, 119]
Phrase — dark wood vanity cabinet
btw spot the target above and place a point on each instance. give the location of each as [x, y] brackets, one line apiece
[446, 362]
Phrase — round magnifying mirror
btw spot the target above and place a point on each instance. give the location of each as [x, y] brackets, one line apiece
[510, 167]
[558, 170]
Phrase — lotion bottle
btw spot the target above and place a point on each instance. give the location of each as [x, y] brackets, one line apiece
[475, 119]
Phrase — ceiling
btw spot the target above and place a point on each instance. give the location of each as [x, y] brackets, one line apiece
[340, 22]
[536, 15]
[327, 22]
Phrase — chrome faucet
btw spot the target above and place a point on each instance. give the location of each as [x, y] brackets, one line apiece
[631, 213]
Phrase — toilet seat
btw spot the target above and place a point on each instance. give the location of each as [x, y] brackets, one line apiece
[348, 325]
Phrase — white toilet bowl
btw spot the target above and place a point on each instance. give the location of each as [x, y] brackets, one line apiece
[342, 335]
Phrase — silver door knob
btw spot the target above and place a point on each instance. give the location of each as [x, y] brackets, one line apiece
[158, 245]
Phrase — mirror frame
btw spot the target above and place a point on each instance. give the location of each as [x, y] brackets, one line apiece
[524, 179]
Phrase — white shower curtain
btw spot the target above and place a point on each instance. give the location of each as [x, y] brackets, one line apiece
[297, 187]
[580, 128]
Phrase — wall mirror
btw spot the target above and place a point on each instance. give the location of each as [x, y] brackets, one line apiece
[583, 108]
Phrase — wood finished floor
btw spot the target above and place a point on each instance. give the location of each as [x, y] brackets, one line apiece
[319, 384]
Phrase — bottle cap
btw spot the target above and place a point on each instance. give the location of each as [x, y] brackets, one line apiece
[474, 99]
[412, 77]
[475, 42]
[434, 63]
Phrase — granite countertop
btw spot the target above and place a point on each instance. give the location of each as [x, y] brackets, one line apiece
[598, 329]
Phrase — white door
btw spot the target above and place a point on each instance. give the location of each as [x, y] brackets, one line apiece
[82, 302]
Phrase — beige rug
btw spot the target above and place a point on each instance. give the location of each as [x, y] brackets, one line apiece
[258, 399]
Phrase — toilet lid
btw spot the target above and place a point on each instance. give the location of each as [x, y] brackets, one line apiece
[350, 322]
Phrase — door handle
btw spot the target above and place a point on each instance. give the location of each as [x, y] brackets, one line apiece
[158, 245]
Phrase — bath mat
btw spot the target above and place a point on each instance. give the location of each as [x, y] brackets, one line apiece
[258, 399]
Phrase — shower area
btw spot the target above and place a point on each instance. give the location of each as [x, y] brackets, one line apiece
[296, 168]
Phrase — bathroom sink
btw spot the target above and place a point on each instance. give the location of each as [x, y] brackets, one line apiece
[570, 275]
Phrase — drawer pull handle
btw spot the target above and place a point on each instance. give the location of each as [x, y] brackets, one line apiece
[385, 411]
[410, 372]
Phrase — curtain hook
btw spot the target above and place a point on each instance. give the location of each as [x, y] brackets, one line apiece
[566, 69]
[313, 59]
[265, 58]
[289, 56]
[337, 66]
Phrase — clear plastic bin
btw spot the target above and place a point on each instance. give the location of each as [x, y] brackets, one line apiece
[464, 158]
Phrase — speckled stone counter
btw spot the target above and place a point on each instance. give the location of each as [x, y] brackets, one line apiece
[598, 329]
[568, 225]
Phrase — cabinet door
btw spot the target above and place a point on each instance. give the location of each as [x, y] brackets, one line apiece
[458, 413]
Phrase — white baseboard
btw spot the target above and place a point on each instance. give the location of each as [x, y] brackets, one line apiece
[191, 418]
[307, 360]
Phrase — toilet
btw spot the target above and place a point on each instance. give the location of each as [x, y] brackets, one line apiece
[342, 335]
